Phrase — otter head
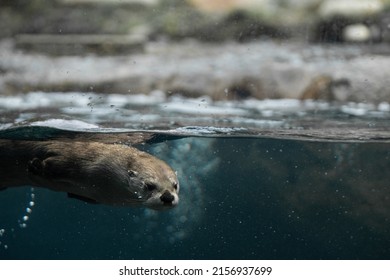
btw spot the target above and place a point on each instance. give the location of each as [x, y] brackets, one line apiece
[158, 186]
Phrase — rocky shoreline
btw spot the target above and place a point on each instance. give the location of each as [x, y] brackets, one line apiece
[229, 71]
[334, 50]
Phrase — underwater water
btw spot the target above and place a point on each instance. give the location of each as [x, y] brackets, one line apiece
[258, 180]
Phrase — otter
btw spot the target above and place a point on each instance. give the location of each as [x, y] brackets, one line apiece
[94, 172]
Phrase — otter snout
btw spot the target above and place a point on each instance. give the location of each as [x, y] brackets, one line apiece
[167, 197]
[164, 201]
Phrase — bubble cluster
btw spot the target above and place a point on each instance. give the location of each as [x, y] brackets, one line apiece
[21, 222]
[2, 231]
[28, 210]
[184, 218]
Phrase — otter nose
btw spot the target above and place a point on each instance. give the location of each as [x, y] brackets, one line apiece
[167, 197]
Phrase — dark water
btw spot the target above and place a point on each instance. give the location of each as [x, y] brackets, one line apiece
[269, 192]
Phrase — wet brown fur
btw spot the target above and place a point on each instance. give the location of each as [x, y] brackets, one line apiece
[111, 174]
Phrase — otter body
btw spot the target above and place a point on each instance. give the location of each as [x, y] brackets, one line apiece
[111, 174]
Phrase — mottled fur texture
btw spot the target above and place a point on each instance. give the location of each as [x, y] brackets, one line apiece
[96, 172]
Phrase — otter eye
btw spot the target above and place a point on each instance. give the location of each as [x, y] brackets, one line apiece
[150, 186]
[175, 186]
[132, 173]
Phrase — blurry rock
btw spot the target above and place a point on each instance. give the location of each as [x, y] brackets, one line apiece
[319, 88]
[244, 26]
[350, 8]
[239, 90]
[215, 21]
[77, 44]
[384, 27]
[225, 6]
[325, 88]
[349, 21]
[142, 2]
[357, 33]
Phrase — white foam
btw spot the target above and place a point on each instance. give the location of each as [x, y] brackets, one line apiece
[357, 109]
[384, 107]
[5, 126]
[199, 106]
[65, 124]
[43, 99]
[259, 123]
[353, 111]
[11, 102]
[273, 104]
[208, 130]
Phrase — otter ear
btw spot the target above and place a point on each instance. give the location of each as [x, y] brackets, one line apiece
[132, 173]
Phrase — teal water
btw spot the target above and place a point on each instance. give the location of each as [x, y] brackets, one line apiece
[247, 192]
[240, 199]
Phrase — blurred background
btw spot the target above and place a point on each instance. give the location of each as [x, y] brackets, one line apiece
[335, 50]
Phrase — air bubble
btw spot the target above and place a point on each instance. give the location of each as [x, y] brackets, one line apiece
[25, 218]
[31, 203]
[28, 210]
[183, 219]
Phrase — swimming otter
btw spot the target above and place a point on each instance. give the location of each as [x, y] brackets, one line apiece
[111, 174]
